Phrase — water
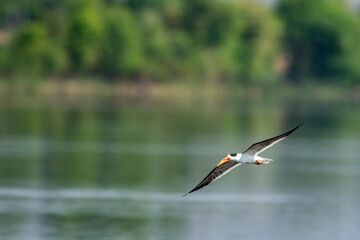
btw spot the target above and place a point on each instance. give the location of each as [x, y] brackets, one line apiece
[116, 169]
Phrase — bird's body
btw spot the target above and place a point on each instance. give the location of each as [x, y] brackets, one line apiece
[243, 158]
[249, 156]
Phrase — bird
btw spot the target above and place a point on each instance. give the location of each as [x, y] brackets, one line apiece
[249, 156]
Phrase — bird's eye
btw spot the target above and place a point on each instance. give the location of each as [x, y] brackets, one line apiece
[233, 154]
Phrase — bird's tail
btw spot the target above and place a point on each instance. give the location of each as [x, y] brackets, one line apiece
[264, 160]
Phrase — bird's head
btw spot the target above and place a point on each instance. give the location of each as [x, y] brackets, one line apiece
[231, 156]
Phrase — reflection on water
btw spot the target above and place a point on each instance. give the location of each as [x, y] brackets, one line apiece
[118, 171]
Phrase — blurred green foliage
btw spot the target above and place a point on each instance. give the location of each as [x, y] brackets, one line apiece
[84, 28]
[120, 46]
[322, 38]
[33, 51]
[172, 39]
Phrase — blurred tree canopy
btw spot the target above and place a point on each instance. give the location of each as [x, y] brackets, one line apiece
[322, 38]
[165, 40]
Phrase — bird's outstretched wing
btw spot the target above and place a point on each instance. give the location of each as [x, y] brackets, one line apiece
[216, 173]
[258, 147]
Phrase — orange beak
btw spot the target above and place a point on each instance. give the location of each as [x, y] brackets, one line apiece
[223, 161]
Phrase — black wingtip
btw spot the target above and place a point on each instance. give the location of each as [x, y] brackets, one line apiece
[187, 193]
[296, 127]
[299, 125]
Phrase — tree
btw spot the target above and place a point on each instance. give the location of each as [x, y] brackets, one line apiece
[321, 38]
[33, 52]
[120, 51]
[260, 38]
[240, 39]
[83, 32]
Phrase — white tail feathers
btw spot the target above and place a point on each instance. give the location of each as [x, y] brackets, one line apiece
[264, 160]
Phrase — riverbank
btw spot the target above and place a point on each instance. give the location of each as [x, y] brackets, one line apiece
[80, 89]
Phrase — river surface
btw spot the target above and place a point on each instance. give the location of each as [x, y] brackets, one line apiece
[117, 169]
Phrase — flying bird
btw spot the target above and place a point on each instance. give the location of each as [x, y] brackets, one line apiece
[233, 160]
